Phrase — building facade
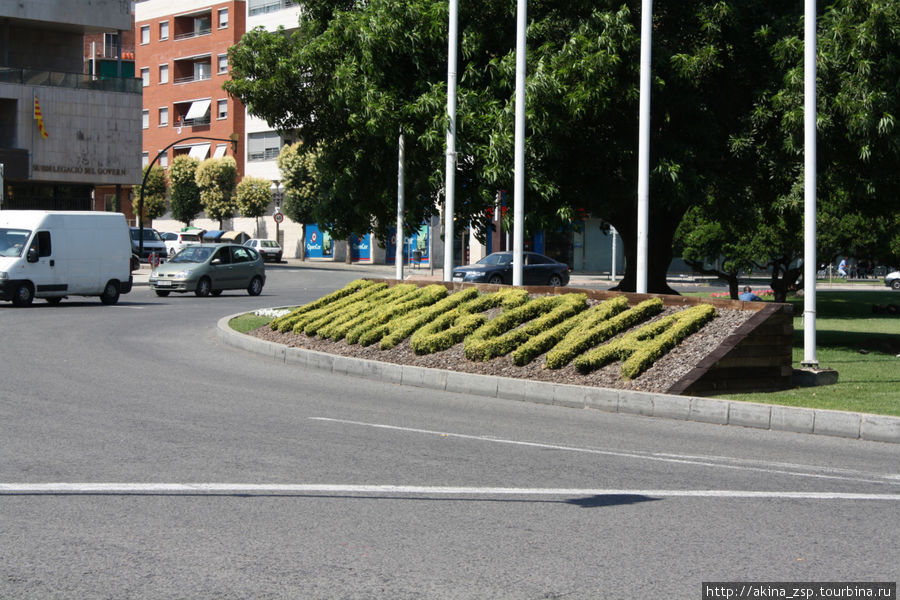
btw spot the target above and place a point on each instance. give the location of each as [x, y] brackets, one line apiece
[64, 134]
[181, 59]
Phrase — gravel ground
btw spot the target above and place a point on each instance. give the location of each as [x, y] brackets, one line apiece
[660, 377]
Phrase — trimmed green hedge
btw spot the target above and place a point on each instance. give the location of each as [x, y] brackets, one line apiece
[348, 289]
[594, 331]
[561, 326]
[641, 348]
[546, 340]
[502, 335]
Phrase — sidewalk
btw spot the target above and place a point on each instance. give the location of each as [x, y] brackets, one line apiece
[597, 281]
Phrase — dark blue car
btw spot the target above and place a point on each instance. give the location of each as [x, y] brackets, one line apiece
[497, 268]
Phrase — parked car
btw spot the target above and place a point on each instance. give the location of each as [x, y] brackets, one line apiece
[270, 249]
[176, 242]
[152, 243]
[209, 269]
[892, 280]
[497, 268]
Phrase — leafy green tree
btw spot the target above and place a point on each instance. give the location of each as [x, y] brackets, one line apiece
[216, 179]
[297, 165]
[185, 200]
[253, 198]
[154, 191]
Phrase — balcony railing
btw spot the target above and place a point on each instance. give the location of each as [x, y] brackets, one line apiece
[70, 80]
[193, 78]
[259, 7]
[193, 34]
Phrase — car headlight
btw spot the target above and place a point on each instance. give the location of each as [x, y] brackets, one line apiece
[186, 274]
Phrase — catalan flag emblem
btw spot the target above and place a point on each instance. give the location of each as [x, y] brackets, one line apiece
[38, 117]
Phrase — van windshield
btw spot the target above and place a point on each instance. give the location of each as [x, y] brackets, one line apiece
[12, 241]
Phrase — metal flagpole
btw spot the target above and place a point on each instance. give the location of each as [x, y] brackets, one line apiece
[519, 165]
[809, 186]
[450, 170]
[398, 250]
[643, 208]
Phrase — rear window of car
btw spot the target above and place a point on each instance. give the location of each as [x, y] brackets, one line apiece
[190, 237]
[269, 244]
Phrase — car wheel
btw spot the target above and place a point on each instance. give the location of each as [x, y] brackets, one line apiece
[255, 287]
[895, 284]
[496, 279]
[162, 293]
[24, 295]
[135, 263]
[555, 280]
[216, 292]
[203, 287]
[110, 293]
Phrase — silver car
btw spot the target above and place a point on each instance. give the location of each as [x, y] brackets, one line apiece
[209, 269]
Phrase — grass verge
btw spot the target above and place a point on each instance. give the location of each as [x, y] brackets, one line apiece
[862, 346]
[248, 322]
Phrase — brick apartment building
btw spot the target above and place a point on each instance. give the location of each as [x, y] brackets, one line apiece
[181, 55]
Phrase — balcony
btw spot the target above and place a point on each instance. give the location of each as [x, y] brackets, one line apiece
[192, 78]
[70, 80]
[192, 34]
[260, 7]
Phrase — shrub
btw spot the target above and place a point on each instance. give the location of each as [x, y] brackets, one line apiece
[299, 322]
[376, 327]
[360, 311]
[547, 339]
[402, 327]
[445, 331]
[641, 348]
[581, 338]
[502, 335]
[348, 289]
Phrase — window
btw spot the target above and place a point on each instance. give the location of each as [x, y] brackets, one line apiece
[41, 243]
[145, 119]
[110, 45]
[164, 160]
[164, 30]
[163, 74]
[145, 34]
[223, 63]
[223, 18]
[263, 146]
[202, 71]
[145, 159]
[145, 76]
[163, 117]
[222, 109]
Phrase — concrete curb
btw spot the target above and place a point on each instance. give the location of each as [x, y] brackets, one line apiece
[860, 426]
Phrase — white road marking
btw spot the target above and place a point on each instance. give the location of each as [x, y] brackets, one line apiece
[411, 490]
[719, 462]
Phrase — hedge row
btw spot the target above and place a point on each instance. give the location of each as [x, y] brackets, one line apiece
[400, 328]
[338, 323]
[365, 312]
[324, 300]
[594, 331]
[502, 335]
[641, 348]
[298, 319]
[454, 325]
[546, 340]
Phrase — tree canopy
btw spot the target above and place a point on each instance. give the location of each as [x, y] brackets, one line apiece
[353, 76]
[185, 200]
[154, 191]
[216, 179]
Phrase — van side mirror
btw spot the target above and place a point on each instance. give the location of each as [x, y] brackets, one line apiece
[32, 255]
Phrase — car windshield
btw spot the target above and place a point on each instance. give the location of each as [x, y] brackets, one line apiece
[192, 254]
[12, 241]
[150, 235]
[498, 258]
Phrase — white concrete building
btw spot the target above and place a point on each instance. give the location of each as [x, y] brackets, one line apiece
[63, 133]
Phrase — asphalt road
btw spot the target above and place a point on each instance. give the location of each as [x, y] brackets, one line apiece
[141, 458]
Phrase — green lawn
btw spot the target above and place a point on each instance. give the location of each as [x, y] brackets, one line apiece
[861, 346]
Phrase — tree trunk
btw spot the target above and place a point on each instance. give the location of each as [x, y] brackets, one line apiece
[659, 252]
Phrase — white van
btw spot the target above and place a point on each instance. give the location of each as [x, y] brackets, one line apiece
[52, 255]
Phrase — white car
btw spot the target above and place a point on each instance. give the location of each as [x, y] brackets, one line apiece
[176, 242]
[269, 249]
[892, 280]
